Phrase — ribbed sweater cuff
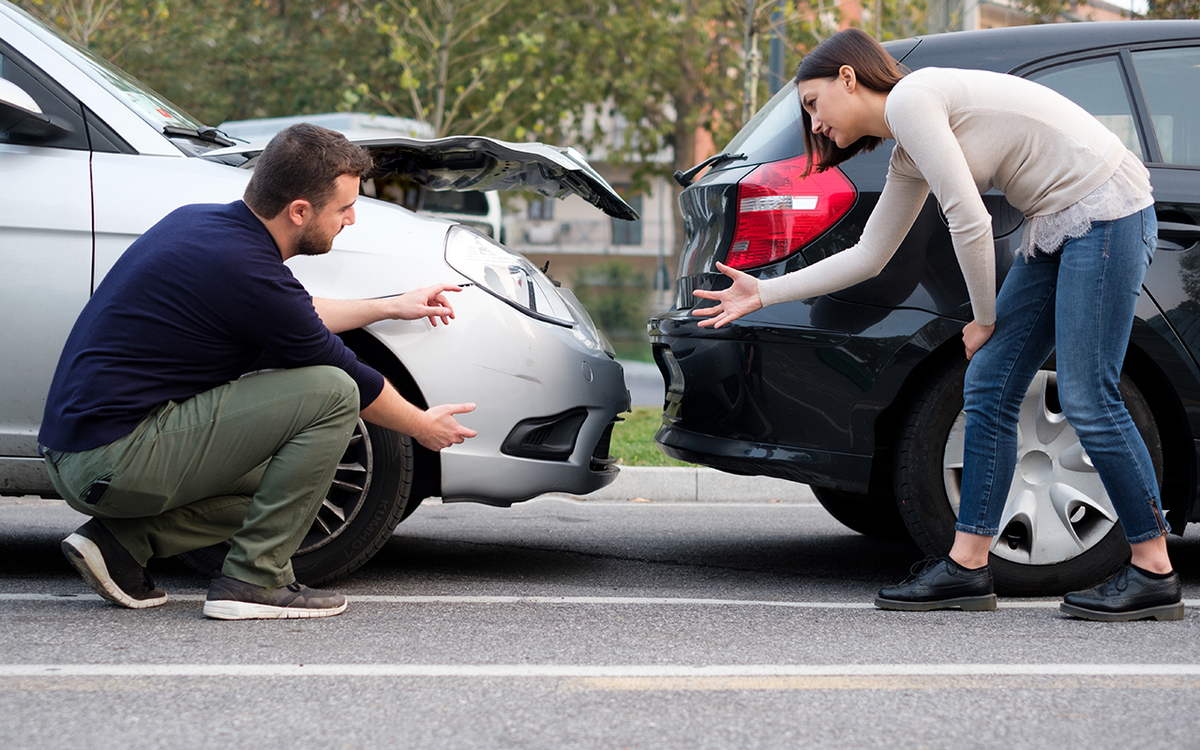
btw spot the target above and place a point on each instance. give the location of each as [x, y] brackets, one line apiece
[773, 291]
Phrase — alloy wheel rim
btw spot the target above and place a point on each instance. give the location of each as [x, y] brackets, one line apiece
[347, 494]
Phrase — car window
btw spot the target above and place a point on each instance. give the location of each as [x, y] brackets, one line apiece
[50, 97]
[774, 133]
[459, 202]
[1171, 83]
[1098, 87]
[146, 102]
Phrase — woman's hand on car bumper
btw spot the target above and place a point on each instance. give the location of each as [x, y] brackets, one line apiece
[732, 303]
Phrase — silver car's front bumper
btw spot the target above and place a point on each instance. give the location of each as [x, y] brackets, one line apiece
[546, 399]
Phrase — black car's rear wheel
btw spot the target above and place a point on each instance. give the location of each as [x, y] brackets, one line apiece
[371, 492]
[872, 514]
[1059, 531]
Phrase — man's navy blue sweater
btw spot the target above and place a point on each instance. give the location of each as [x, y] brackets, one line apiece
[191, 305]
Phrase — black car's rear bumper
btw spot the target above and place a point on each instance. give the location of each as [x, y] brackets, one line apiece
[774, 395]
[807, 466]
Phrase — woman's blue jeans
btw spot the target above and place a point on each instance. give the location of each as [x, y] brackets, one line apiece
[1077, 303]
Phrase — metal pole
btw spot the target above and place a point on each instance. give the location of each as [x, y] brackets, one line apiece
[750, 50]
[776, 77]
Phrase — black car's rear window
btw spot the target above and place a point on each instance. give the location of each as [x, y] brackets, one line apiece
[776, 132]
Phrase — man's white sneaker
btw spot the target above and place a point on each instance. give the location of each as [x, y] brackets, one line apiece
[231, 599]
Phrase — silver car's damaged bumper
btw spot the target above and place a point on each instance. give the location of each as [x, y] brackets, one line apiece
[546, 395]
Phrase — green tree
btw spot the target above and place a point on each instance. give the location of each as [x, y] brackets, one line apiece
[669, 69]
[1173, 9]
[458, 65]
[224, 59]
[903, 19]
[615, 295]
[1044, 11]
[107, 27]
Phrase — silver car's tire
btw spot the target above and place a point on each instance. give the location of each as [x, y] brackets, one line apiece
[371, 492]
[1059, 531]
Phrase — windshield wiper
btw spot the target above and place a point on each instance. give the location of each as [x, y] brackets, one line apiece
[685, 178]
[204, 133]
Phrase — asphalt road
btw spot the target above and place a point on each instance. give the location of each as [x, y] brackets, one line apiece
[566, 624]
[645, 383]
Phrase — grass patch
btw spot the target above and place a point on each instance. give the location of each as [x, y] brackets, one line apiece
[633, 440]
[638, 351]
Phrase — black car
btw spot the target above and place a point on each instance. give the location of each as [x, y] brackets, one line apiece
[859, 393]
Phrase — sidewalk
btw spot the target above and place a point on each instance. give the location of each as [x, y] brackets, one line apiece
[698, 484]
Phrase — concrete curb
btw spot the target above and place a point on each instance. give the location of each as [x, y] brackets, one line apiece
[698, 484]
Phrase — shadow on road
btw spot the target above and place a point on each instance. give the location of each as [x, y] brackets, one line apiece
[601, 546]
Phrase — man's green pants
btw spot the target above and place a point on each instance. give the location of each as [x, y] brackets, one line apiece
[248, 462]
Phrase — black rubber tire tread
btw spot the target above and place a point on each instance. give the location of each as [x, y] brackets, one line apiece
[920, 495]
[926, 510]
[869, 514]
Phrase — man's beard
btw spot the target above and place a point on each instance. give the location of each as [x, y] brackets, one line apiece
[312, 242]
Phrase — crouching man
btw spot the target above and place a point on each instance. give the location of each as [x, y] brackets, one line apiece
[150, 426]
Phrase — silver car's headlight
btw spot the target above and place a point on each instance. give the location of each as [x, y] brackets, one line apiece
[496, 269]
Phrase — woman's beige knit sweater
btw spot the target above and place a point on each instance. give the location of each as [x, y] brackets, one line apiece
[960, 133]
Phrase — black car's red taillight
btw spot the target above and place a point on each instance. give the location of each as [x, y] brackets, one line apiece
[779, 210]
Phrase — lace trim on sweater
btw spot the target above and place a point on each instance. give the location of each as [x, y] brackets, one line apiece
[1126, 192]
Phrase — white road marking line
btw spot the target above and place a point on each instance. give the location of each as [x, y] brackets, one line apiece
[562, 600]
[598, 671]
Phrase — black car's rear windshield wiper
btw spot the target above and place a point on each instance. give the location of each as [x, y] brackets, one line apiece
[206, 134]
[685, 178]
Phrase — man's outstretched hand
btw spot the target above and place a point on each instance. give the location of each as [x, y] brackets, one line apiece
[441, 430]
[430, 302]
[427, 302]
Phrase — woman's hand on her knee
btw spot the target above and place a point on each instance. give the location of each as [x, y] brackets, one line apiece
[975, 336]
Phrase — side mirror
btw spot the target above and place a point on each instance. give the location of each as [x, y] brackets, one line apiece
[21, 115]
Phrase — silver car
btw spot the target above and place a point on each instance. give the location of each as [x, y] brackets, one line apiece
[90, 158]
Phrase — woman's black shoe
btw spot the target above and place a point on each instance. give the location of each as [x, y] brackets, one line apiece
[940, 583]
[1128, 595]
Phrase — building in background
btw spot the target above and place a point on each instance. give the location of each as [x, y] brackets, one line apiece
[572, 235]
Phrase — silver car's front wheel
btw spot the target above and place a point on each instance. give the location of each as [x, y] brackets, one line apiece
[1059, 531]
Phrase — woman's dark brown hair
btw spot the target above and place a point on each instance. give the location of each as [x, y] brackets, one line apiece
[873, 68]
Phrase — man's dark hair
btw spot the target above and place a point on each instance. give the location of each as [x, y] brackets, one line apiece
[873, 68]
[303, 162]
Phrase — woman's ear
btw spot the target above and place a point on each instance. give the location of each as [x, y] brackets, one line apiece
[847, 78]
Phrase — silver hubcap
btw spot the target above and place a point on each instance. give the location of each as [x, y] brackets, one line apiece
[1057, 507]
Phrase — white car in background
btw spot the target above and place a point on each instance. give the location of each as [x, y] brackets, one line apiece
[90, 158]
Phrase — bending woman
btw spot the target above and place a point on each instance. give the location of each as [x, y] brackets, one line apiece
[1089, 238]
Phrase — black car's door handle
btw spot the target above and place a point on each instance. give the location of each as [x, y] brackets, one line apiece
[1175, 236]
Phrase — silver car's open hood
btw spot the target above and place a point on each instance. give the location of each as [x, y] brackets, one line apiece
[471, 162]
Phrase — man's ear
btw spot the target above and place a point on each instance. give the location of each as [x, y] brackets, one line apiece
[299, 211]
